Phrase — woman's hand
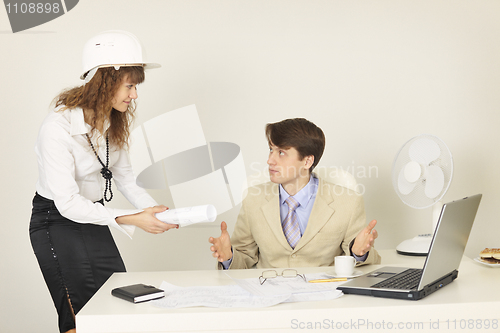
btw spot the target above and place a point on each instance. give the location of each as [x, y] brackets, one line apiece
[147, 221]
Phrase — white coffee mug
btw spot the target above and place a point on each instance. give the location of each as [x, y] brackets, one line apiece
[344, 265]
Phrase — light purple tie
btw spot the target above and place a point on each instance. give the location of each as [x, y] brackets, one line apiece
[291, 224]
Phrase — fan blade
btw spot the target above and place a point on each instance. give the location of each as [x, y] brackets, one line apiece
[434, 183]
[404, 186]
[412, 171]
[424, 151]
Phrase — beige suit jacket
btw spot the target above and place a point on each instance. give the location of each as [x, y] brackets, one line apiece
[338, 215]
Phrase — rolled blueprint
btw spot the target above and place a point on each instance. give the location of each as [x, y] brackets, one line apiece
[188, 215]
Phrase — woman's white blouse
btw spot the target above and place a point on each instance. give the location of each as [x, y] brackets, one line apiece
[69, 172]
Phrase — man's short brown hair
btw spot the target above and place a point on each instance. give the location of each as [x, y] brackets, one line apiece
[299, 133]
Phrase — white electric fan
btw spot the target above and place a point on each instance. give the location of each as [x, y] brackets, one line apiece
[421, 175]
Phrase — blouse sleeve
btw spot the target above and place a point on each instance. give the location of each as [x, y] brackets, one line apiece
[126, 184]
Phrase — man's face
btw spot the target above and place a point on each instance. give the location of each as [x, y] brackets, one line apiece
[285, 166]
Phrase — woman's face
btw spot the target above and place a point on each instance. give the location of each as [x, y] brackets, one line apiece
[126, 92]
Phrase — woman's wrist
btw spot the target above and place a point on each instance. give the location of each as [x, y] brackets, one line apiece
[126, 219]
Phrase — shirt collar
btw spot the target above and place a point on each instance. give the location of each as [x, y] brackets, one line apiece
[304, 195]
[78, 124]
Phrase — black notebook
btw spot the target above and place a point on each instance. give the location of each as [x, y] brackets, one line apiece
[137, 293]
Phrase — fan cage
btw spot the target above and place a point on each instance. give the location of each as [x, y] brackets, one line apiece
[417, 198]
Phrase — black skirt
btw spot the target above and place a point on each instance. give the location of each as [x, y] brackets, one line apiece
[75, 258]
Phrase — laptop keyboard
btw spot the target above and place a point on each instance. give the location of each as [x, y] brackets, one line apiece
[406, 280]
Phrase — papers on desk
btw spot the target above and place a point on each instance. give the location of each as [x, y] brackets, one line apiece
[249, 293]
[230, 296]
[297, 289]
[188, 215]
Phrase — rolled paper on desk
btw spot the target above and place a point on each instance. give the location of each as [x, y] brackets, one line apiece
[188, 215]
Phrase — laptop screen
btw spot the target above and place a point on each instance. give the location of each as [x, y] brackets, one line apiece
[450, 238]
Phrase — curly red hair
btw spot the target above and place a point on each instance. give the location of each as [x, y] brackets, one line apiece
[96, 97]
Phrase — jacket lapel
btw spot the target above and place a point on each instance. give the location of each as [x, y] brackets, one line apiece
[271, 212]
[320, 214]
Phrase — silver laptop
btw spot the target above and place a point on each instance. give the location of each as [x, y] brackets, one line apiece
[440, 267]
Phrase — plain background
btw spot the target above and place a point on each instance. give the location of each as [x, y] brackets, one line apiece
[371, 74]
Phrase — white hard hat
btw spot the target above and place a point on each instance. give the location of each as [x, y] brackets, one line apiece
[112, 48]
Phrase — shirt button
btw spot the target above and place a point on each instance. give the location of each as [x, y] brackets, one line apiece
[294, 256]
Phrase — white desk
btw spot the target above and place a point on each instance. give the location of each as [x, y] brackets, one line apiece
[465, 305]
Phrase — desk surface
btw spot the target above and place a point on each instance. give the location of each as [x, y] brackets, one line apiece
[469, 304]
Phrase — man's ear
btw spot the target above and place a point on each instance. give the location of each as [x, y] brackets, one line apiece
[309, 161]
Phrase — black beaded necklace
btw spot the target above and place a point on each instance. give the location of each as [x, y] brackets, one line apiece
[105, 172]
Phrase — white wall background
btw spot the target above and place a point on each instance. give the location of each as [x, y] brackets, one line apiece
[372, 74]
